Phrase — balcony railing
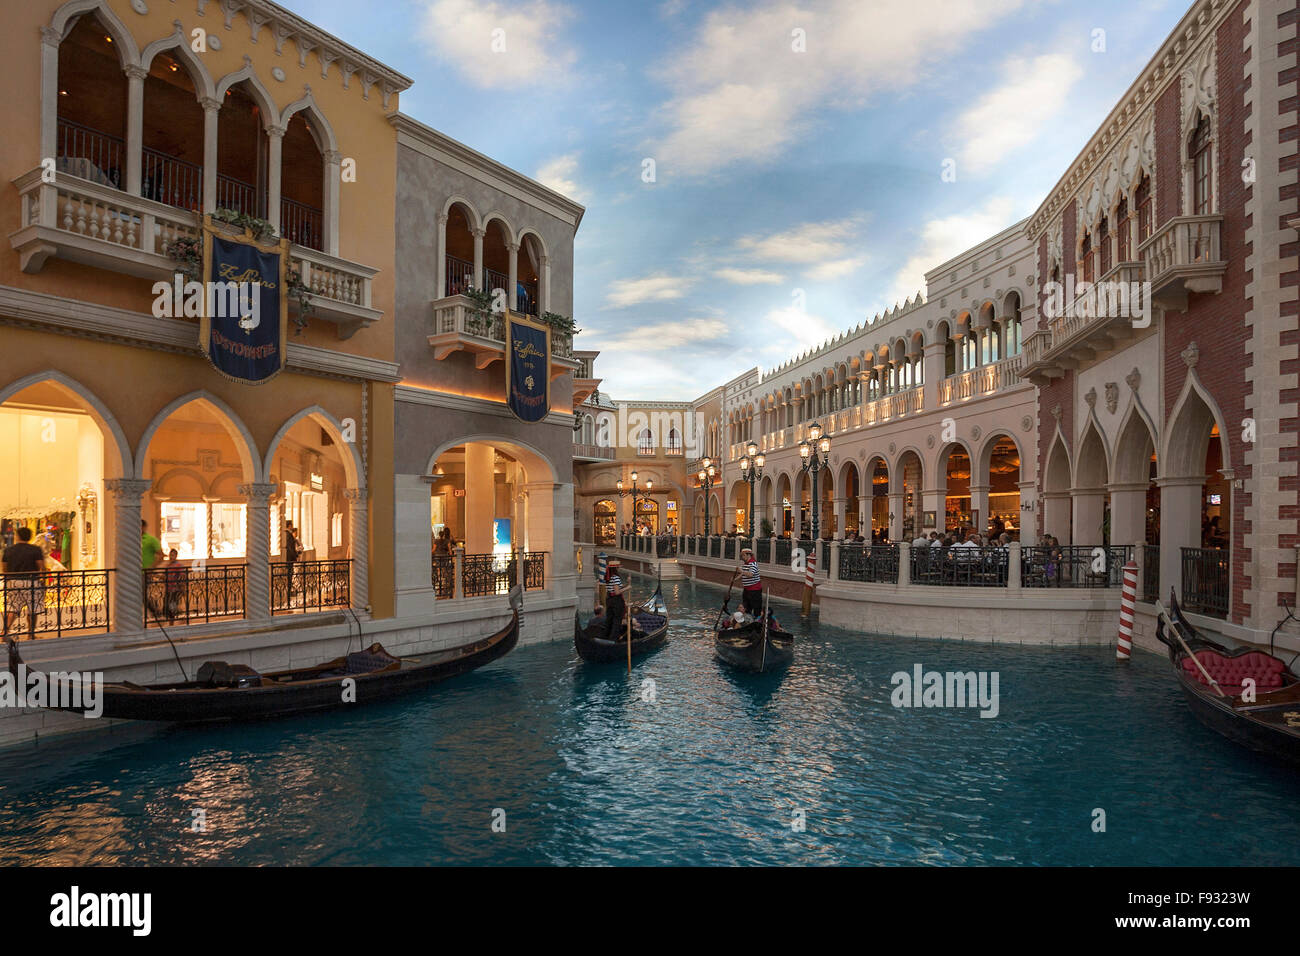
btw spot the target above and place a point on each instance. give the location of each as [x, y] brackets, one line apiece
[872, 563]
[981, 380]
[55, 603]
[484, 574]
[194, 595]
[90, 154]
[1205, 581]
[1150, 573]
[460, 276]
[596, 452]
[169, 180]
[908, 402]
[1074, 566]
[240, 196]
[496, 280]
[458, 326]
[310, 585]
[302, 224]
[1184, 256]
[96, 225]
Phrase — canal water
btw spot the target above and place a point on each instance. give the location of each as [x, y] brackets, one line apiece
[541, 759]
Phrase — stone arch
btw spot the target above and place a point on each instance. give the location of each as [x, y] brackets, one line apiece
[98, 411]
[258, 91]
[318, 123]
[178, 46]
[245, 446]
[472, 214]
[352, 463]
[64, 18]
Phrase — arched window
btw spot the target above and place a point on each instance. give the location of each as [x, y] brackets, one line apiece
[645, 442]
[674, 442]
[1142, 199]
[1199, 152]
[92, 105]
[1103, 245]
[1085, 255]
[1125, 228]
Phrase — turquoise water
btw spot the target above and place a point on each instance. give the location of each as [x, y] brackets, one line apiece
[714, 770]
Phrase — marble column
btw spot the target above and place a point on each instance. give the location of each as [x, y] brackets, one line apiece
[512, 293]
[359, 519]
[128, 576]
[440, 291]
[135, 75]
[275, 149]
[412, 547]
[1180, 527]
[479, 278]
[257, 537]
[333, 182]
[210, 108]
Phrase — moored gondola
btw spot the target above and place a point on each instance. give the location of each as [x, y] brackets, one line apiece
[649, 632]
[223, 691]
[1215, 681]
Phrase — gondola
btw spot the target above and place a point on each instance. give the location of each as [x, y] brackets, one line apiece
[649, 632]
[751, 648]
[1270, 723]
[224, 691]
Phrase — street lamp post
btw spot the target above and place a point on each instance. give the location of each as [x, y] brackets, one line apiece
[633, 491]
[816, 454]
[751, 470]
[706, 482]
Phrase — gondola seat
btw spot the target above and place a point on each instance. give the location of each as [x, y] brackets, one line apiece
[371, 659]
[1231, 672]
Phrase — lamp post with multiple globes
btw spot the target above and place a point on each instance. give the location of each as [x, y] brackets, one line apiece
[815, 450]
[706, 475]
[751, 470]
[634, 491]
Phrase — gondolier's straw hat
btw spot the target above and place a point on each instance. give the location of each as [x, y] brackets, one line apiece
[745, 551]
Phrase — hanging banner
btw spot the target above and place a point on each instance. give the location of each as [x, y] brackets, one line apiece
[528, 368]
[245, 321]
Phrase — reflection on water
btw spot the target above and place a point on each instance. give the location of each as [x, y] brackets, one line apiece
[589, 767]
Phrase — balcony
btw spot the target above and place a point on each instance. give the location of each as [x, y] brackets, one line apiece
[1183, 257]
[585, 452]
[457, 328]
[94, 224]
[890, 407]
[981, 380]
[1109, 312]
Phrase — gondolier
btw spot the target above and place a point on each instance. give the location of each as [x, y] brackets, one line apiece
[614, 603]
[751, 595]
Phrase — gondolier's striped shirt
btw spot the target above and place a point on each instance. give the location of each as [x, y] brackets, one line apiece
[614, 583]
[749, 578]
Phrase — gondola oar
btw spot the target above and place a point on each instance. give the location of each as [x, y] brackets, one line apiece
[762, 665]
[629, 636]
[1164, 615]
[722, 610]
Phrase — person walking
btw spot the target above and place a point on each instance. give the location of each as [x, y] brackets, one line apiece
[751, 584]
[23, 563]
[292, 548]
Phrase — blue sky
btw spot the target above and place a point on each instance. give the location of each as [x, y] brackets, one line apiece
[776, 169]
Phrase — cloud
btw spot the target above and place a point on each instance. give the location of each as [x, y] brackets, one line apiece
[835, 268]
[942, 239]
[813, 243]
[1032, 94]
[748, 276]
[655, 288]
[741, 92]
[463, 33]
[559, 173]
[669, 334]
[802, 329]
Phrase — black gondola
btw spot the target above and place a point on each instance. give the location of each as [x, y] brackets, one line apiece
[748, 647]
[649, 632]
[1270, 723]
[237, 692]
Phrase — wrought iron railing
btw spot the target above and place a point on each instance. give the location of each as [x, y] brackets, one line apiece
[460, 275]
[483, 574]
[302, 224]
[310, 585]
[960, 566]
[763, 550]
[872, 563]
[444, 576]
[192, 595]
[55, 603]
[728, 548]
[784, 551]
[1205, 581]
[493, 280]
[1150, 573]
[666, 547]
[90, 154]
[240, 196]
[166, 179]
[1074, 566]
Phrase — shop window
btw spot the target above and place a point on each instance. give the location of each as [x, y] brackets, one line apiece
[200, 531]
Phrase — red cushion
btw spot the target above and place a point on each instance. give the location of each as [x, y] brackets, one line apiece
[1231, 672]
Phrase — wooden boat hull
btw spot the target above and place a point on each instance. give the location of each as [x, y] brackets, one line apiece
[187, 703]
[1270, 724]
[595, 649]
[742, 648]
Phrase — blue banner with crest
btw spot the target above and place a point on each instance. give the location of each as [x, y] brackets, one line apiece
[528, 369]
[245, 319]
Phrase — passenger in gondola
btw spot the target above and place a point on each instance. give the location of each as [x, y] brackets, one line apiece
[751, 594]
[615, 606]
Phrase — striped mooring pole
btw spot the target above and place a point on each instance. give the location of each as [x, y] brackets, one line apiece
[1127, 598]
[809, 580]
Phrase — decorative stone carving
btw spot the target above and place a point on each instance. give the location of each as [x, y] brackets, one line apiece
[892, 448]
[1056, 412]
[929, 441]
[140, 7]
[1191, 355]
[1112, 396]
[1134, 378]
[1199, 88]
[975, 432]
[1026, 423]
[1091, 398]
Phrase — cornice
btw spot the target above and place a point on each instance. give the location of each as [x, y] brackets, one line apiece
[56, 314]
[411, 395]
[438, 146]
[1163, 68]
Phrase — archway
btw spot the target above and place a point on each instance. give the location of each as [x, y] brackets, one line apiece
[1196, 508]
[877, 499]
[956, 465]
[848, 515]
[1091, 499]
[909, 475]
[1001, 469]
[1135, 495]
[243, 152]
[785, 523]
[458, 256]
[172, 131]
[92, 104]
